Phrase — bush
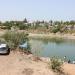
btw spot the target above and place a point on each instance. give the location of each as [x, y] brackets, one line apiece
[56, 65]
[13, 39]
[54, 30]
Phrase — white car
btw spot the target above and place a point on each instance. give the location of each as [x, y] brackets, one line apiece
[4, 49]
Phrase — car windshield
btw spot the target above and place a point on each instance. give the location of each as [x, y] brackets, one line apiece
[3, 48]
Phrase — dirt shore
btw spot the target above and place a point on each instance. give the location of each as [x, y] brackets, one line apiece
[69, 68]
[43, 35]
[18, 64]
[52, 35]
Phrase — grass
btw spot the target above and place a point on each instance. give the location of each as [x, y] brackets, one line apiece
[13, 39]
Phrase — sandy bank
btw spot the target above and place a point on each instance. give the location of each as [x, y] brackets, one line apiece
[18, 64]
[51, 35]
[69, 68]
[43, 35]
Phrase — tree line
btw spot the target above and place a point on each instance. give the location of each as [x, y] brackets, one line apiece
[52, 26]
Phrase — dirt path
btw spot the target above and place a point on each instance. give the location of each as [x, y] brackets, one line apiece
[69, 68]
[16, 64]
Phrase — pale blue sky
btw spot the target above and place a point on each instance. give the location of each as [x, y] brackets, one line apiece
[37, 9]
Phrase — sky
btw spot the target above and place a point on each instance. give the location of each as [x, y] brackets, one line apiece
[37, 10]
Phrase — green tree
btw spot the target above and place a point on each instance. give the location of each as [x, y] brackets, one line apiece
[51, 22]
[25, 21]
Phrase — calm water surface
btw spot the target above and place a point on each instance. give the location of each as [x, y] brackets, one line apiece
[53, 47]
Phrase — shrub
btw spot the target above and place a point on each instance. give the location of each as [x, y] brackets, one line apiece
[13, 39]
[56, 65]
[54, 30]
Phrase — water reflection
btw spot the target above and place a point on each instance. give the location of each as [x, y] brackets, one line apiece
[53, 47]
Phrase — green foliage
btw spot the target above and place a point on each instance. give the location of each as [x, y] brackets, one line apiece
[53, 26]
[55, 29]
[22, 27]
[56, 64]
[13, 39]
[25, 20]
[7, 25]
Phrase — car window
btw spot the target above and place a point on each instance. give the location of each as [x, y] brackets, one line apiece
[3, 48]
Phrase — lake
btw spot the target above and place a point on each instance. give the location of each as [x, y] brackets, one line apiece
[53, 47]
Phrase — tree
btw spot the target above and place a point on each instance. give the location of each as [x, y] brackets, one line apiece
[46, 25]
[36, 24]
[51, 22]
[72, 22]
[57, 22]
[25, 21]
[1, 23]
[7, 25]
[66, 23]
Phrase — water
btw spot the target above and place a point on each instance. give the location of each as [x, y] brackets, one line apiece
[53, 47]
